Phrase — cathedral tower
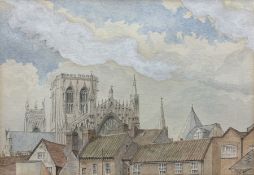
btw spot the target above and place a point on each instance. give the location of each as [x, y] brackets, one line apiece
[35, 118]
[73, 101]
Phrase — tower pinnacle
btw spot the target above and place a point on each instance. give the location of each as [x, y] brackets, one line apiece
[162, 122]
[134, 85]
[111, 92]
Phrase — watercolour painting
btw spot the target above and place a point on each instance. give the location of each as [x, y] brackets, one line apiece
[126, 87]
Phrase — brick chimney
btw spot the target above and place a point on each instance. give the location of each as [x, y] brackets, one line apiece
[71, 141]
[88, 135]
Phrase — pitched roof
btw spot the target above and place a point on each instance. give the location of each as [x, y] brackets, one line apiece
[245, 163]
[26, 141]
[55, 150]
[104, 146]
[192, 122]
[147, 136]
[175, 151]
[7, 164]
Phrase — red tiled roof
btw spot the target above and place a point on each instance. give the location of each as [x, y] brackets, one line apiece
[56, 152]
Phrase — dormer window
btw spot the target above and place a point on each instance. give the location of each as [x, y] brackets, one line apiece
[198, 134]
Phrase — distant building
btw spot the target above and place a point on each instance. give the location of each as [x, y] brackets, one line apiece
[22, 143]
[194, 129]
[35, 120]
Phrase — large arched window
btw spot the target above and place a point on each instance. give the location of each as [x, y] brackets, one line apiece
[69, 100]
[83, 101]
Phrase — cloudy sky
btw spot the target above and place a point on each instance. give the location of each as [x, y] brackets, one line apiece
[189, 52]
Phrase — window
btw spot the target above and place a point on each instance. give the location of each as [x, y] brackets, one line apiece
[94, 169]
[50, 169]
[194, 167]
[40, 155]
[83, 171]
[178, 168]
[136, 169]
[107, 168]
[228, 151]
[162, 168]
[251, 147]
[69, 100]
[198, 134]
[83, 100]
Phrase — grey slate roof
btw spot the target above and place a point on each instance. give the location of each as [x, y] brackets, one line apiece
[147, 136]
[26, 141]
[206, 129]
[104, 147]
[245, 163]
[175, 151]
[192, 122]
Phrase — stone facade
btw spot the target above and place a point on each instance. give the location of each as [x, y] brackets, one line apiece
[75, 106]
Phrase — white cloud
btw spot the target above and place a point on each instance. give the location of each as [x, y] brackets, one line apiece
[19, 82]
[74, 41]
[234, 22]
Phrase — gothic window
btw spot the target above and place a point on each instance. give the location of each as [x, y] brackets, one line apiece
[36, 129]
[111, 126]
[83, 100]
[69, 100]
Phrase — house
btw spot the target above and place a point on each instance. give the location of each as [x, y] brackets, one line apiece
[180, 157]
[50, 154]
[31, 168]
[104, 155]
[7, 164]
[227, 150]
[246, 164]
[194, 129]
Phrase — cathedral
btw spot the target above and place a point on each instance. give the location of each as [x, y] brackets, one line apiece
[76, 113]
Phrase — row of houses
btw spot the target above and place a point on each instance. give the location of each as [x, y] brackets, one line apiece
[119, 154]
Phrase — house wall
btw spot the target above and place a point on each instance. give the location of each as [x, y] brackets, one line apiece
[88, 164]
[153, 168]
[47, 160]
[248, 142]
[230, 138]
[72, 165]
[31, 168]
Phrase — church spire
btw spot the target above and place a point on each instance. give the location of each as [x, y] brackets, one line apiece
[162, 122]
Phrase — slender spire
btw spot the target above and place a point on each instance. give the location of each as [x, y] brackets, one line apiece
[111, 92]
[162, 122]
[27, 104]
[134, 85]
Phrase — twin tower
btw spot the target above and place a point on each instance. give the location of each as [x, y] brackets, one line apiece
[75, 107]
